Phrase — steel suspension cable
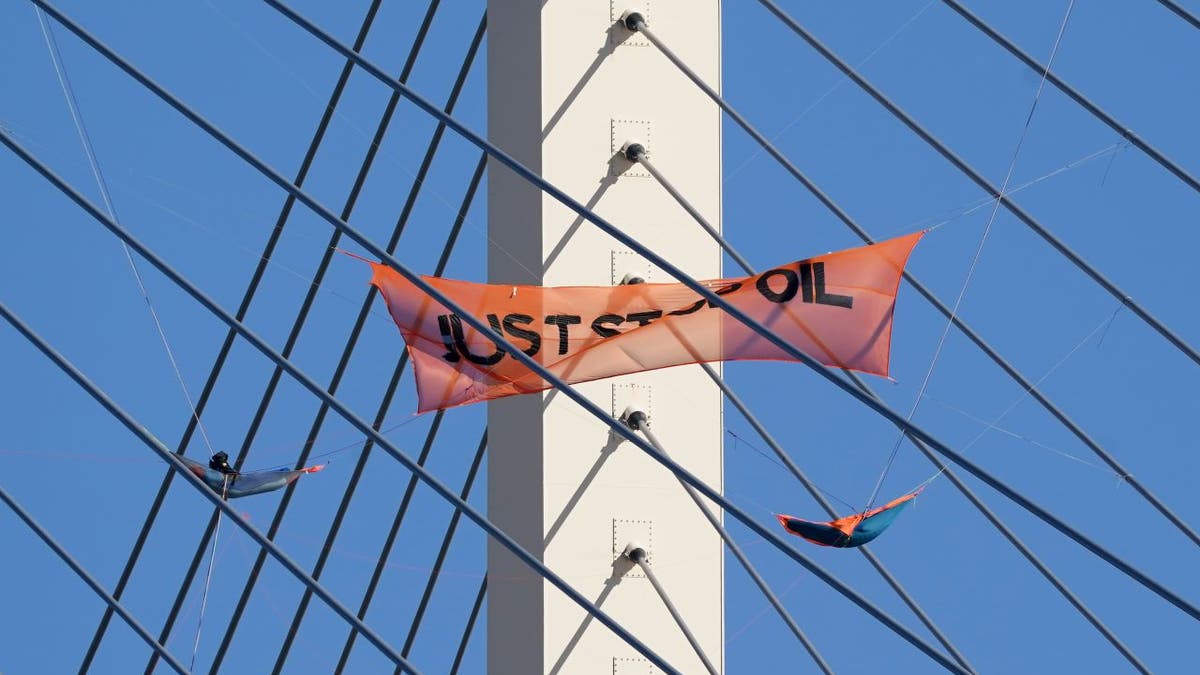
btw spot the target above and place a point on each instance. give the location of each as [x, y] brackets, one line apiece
[380, 414]
[640, 422]
[410, 490]
[636, 153]
[79, 570]
[227, 345]
[1095, 447]
[308, 383]
[638, 556]
[813, 490]
[987, 186]
[389, 542]
[89, 151]
[983, 239]
[529, 175]
[522, 554]
[355, 333]
[975, 500]
[290, 345]
[470, 627]
[174, 462]
[1074, 94]
[443, 550]
[474, 322]
[1181, 12]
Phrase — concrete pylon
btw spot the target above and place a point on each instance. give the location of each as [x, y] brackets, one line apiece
[568, 86]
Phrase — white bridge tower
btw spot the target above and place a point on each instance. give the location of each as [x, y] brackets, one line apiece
[568, 86]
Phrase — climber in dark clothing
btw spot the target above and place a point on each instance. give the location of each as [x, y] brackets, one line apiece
[220, 462]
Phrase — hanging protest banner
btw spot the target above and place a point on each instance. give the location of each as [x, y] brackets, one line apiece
[836, 308]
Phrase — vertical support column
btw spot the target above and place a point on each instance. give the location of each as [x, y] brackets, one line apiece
[568, 86]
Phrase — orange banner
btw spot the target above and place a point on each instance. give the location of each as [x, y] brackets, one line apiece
[836, 308]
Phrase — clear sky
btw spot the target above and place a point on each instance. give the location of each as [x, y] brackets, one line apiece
[264, 81]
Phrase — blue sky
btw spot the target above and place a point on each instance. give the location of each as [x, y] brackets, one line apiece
[264, 81]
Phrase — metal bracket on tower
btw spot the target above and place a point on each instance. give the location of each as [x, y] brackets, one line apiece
[621, 133]
[621, 34]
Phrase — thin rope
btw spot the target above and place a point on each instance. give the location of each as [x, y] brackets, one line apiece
[993, 426]
[477, 517]
[1111, 151]
[863, 395]
[524, 359]
[84, 138]
[829, 92]
[1075, 95]
[1012, 406]
[738, 440]
[208, 576]
[226, 348]
[937, 352]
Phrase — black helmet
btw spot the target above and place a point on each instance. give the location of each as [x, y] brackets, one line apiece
[219, 462]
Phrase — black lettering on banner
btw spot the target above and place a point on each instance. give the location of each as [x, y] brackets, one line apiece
[806, 284]
[725, 290]
[600, 329]
[689, 309]
[644, 318]
[535, 340]
[460, 342]
[562, 321]
[824, 298]
[789, 290]
[695, 307]
[451, 354]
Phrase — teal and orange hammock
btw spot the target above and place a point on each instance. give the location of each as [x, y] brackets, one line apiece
[850, 531]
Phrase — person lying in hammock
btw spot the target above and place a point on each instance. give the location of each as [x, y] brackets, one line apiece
[231, 483]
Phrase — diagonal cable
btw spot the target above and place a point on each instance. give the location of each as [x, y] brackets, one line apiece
[950, 314]
[113, 604]
[352, 341]
[174, 462]
[394, 531]
[1074, 94]
[477, 324]
[385, 403]
[988, 187]
[470, 627]
[983, 239]
[570, 392]
[638, 556]
[637, 153]
[1089, 615]
[436, 485]
[227, 344]
[639, 421]
[718, 302]
[1182, 12]
[474, 322]
[290, 345]
[700, 289]
[444, 549]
